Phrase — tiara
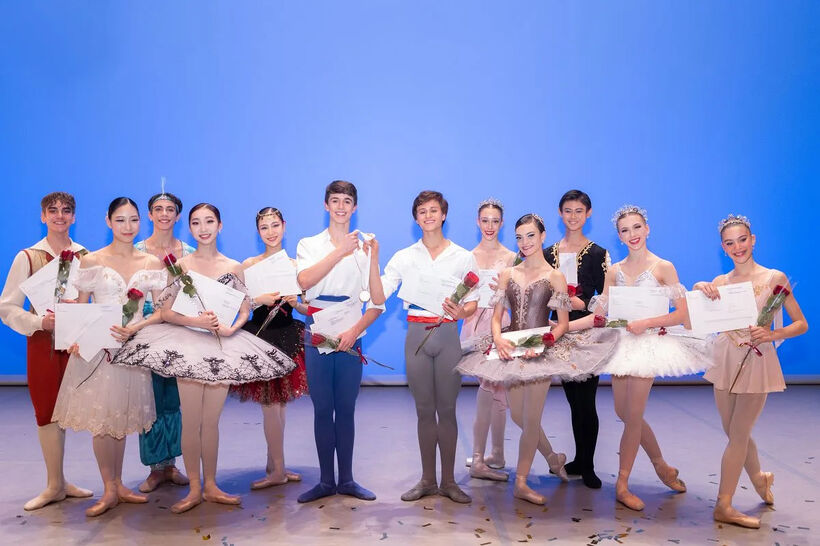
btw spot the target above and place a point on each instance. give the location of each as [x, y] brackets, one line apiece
[162, 195]
[629, 209]
[734, 219]
[491, 202]
[537, 217]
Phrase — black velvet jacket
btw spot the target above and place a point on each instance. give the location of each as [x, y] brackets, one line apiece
[592, 266]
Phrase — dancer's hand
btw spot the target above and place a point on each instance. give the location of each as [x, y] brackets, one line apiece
[349, 243]
[207, 320]
[531, 353]
[269, 299]
[504, 347]
[761, 334]
[347, 339]
[122, 333]
[373, 246]
[74, 349]
[455, 310]
[636, 327]
[47, 323]
[708, 288]
[226, 331]
[493, 283]
[292, 300]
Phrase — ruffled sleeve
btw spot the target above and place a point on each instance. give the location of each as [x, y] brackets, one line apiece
[87, 278]
[599, 305]
[560, 301]
[499, 296]
[675, 291]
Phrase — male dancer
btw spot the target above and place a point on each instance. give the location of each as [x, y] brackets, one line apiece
[44, 365]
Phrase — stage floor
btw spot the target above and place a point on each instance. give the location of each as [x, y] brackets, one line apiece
[387, 461]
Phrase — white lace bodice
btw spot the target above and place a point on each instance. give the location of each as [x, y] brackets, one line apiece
[108, 286]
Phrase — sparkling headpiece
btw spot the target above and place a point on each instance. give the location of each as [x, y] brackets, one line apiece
[629, 209]
[491, 202]
[734, 219]
[537, 217]
[162, 195]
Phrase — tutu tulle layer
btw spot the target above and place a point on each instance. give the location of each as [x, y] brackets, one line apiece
[675, 354]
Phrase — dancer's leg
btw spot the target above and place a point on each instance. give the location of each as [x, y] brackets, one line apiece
[212, 403]
[191, 397]
[581, 398]
[105, 451]
[486, 415]
[498, 425]
[274, 428]
[529, 401]
[630, 395]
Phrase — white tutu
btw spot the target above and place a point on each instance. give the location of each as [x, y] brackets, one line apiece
[675, 354]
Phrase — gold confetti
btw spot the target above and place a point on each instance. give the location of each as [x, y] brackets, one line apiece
[206, 537]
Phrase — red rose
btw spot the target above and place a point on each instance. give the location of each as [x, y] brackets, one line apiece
[548, 339]
[599, 321]
[571, 290]
[780, 289]
[135, 294]
[66, 255]
[662, 331]
[169, 260]
[470, 280]
[317, 339]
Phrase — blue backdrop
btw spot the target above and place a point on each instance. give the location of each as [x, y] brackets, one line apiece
[690, 109]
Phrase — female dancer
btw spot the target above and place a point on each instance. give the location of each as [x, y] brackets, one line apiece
[334, 266]
[491, 400]
[741, 391]
[592, 261]
[160, 446]
[532, 288]
[641, 354]
[430, 374]
[109, 401]
[288, 335]
[203, 363]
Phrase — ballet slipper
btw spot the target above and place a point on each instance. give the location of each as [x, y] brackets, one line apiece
[725, 513]
[573, 468]
[481, 471]
[590, 479]
[106, 503]
[320, 490]
[154, 479]
[293, 476]
[126, 495]
[353, 489]
[269, 481]
[764, 487]
[191, 499]
[556, 463]
[48, 496]
[522, 491]
[173, 475]
[72, 490]
[453, 492]
[669, 476]
[495, 460]
[627, 498]
[421, 489]
[216, 495]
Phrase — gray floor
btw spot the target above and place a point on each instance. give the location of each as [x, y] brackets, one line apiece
[684, 419]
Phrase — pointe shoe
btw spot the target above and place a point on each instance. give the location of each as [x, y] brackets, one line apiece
[46, 497]
[293, 476]
[484, 472]
[453, 492]
[102, 506]
[421, 489]
[522, 491]
[220, 497]
[556, 463]
[269, 481]
[764, 489]
[126, 495]
[727, 514]
[154, 480]
[495, 461]
[187, 503]
[173, 475]
[631, 501]
[670, 478]
[72, 490]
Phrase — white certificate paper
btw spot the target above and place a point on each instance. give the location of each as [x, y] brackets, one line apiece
[517, 335]
[40, 287]
[735, 309]
[568, 265]
[273, 274]
[217, 297]
[88, 325]
[337, 318]
[427, 290]
[637, 302]
[485, 293]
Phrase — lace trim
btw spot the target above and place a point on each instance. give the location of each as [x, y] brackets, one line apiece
[560, 301]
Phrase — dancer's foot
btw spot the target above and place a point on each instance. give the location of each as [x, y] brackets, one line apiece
[193, 498]
[522, 491]
[573, 468]
[353, 489]
[293, 476]
[669, 476]
[108, 501]
[625, 497]
[269, 481]
[556, 463]
[173, 475]
[495, 460]
[454, 493]
[421, 489]
[320, 490]
[590, 479]
[72, 490]
[212, 493]
[154, 480]
[483, 472]
[126, 495]
[727, 514]
[46, 497]
[763, 486]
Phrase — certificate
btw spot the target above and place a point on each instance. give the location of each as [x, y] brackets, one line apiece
[275, 273]
[568, 265]
[337, 318]
[637, 302]
[735, 309]
[518, 335]
[40, 287]
[88, 325]
[427, 290]
[217, 297]
[485, 293]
